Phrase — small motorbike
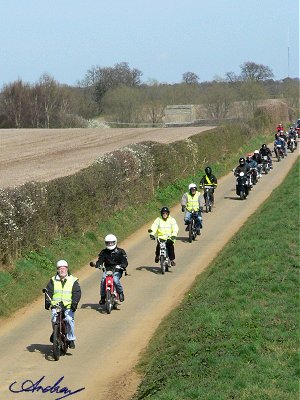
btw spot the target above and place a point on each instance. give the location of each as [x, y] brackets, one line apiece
[242, 186]
[265, 164]
[291, 144]
[254, 175]
[192, 226]
[208, 191]
[59, 334]
[111, 295]
[279, 152]
[164, 260]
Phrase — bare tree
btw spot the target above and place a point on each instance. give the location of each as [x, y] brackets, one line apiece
[190, 78]
[217, 99]
[250, 71]
[14, 99]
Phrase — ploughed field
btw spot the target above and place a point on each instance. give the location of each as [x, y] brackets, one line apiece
[45, 154]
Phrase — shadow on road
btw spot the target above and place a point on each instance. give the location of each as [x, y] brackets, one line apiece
[231, 198]
[183, 239]
[154, 270]
[100, 308]
[44, 349]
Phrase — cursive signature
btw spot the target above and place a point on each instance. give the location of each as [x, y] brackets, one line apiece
[29, 386]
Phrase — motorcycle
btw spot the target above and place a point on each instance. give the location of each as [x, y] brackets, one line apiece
[208, 190]
[164, 260]
[111, 295]
[59, 334]
[265, 164]
[291, 144]
[192, 226]
[253, 176]
[242, 186]
[279, 152]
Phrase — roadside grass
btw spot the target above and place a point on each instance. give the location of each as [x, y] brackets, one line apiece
[23, 284]
[235, 334]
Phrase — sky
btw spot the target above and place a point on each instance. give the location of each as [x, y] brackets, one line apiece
[161, 38]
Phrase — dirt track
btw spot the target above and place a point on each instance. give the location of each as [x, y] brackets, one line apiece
[45, 154]
[108, 346]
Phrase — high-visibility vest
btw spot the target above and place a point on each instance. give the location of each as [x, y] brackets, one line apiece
[193, 202]
[164, 229]
[63, 292]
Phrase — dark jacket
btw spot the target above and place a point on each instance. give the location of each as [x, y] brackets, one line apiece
[112, 258]
[76, 294]
[242, 168]
[212, 178]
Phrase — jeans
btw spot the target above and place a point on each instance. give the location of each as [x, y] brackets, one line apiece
[70, 323]
[198, 221]
[117, 282]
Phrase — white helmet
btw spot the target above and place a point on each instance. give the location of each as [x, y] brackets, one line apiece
[110, 241]
[61, 263]
[256, 152]
[192, 186]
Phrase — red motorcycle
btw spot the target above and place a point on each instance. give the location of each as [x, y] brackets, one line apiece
[111, 295]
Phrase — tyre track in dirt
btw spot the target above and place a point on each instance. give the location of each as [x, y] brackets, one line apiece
[108, 346]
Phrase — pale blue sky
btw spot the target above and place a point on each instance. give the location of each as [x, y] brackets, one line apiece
[162, 38]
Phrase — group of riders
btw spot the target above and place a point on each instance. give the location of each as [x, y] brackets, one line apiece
[65, 287]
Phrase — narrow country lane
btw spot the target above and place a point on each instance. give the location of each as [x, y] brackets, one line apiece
[108, 346]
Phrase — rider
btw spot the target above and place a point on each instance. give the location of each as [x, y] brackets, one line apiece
[278, 142]
[165, 227]
[64, 287]
[114, 258]
[265, 151]
[242, 167]
[257, 157]
[253, 166]
[209, 180]
[279, 128]
[191, 201]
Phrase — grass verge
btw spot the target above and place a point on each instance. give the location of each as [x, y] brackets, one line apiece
[234, 336]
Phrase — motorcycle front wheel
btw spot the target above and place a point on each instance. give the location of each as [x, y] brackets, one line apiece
[108, 302]
[162, 264]
[190, 232]
[56, 342]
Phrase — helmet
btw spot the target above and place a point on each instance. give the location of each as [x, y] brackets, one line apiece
[256, 151]
[61, 263]
[249, 155]
[192, 186]
[242, 161]
[110, 241]
[264, 146]
[208, 171]
[164, 209]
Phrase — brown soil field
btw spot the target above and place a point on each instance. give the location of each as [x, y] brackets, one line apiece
[45, 154]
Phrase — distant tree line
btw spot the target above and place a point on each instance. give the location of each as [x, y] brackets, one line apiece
[117, 95]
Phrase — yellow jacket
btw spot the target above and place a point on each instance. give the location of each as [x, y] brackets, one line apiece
[164, 229]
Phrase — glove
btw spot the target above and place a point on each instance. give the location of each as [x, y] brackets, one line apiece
[73, 307]
[152, 237]
[173, 238]
[183, 208]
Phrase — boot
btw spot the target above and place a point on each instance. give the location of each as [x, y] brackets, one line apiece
[121, 297]
[102, 301]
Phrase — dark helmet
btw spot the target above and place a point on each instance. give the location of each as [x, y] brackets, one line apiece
[264, 146]
[208, 171]
[164, 209]
[242, 161]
